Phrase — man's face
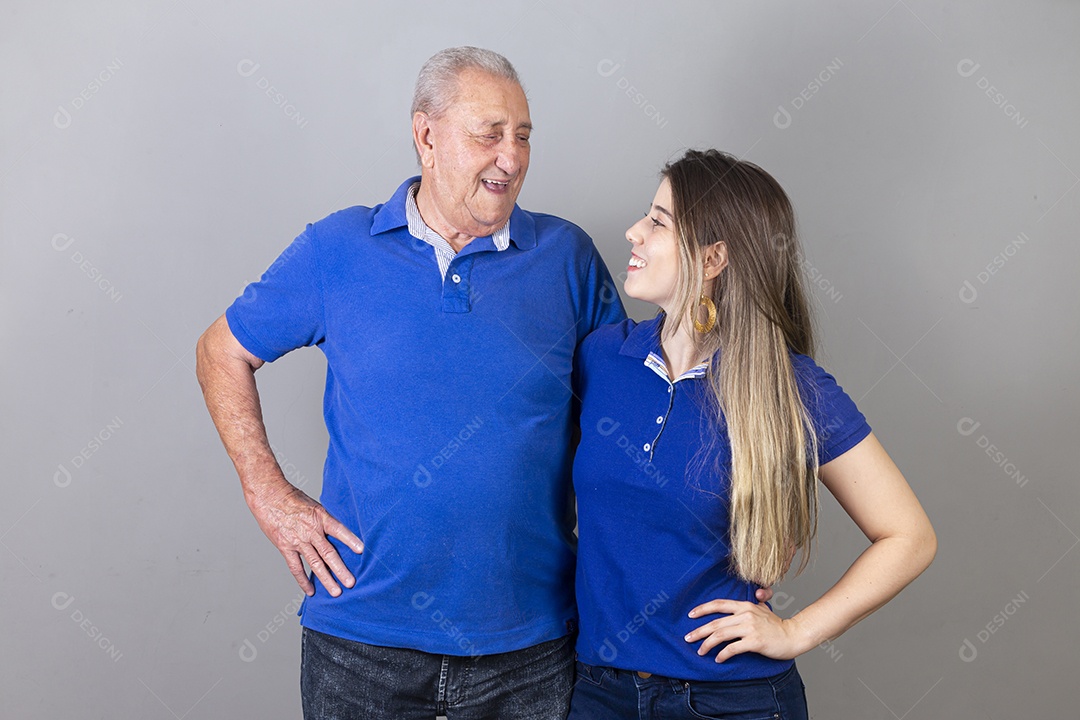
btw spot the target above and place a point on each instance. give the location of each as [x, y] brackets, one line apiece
[478, 153]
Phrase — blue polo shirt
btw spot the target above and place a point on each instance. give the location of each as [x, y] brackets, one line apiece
[653, 517]
[448, 405]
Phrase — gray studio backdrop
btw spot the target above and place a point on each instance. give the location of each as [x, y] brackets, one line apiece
[157, 156]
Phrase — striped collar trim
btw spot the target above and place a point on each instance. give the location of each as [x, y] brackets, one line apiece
[656, 363]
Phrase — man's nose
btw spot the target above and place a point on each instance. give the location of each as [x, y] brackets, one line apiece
[510, 158]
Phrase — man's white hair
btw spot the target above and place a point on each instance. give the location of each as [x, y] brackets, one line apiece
[436, 85]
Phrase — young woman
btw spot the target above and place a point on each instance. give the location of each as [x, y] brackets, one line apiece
[704, 433]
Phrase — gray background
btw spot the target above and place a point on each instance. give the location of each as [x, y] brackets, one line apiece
[147, 176]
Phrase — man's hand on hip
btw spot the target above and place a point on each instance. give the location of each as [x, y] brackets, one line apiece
[299, 526]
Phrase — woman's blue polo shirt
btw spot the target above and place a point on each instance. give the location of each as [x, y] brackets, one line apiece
[448, 405]
[653, 516]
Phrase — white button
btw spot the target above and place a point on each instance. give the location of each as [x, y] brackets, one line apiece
[659, 420]
[647, 447]
[456, 278]
[669, 388]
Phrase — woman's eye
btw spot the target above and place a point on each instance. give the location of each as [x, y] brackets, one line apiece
[656, 223]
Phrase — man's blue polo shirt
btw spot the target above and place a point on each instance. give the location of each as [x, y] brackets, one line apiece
[653, 515]
[448, 404]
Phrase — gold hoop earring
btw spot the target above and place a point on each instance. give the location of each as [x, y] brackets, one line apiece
[710, 306]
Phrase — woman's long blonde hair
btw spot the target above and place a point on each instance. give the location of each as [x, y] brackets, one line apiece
[762, 316]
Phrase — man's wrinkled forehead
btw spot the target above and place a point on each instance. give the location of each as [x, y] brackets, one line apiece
[488, 101]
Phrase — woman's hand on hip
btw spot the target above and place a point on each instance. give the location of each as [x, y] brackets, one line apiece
[746, 627]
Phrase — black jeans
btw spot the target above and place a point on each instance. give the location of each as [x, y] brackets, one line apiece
[343, 679]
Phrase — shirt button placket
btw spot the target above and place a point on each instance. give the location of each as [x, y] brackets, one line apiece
[660, 420]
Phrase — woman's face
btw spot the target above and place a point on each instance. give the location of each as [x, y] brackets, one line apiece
[653, 270]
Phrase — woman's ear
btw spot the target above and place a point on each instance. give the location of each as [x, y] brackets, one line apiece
[715, 259]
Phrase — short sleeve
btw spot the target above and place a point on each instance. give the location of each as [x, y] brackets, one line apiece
[581, 365]
[602, 304]
[283, 310]
[839, 424]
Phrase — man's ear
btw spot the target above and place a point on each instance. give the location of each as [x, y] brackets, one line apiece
[716, 259]
[421, 131]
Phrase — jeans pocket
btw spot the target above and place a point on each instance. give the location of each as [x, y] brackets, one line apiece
[752, 700]
[790, 693]
[590, 674]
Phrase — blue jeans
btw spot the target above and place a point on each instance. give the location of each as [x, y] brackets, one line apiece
[603, 693]
[343, 679]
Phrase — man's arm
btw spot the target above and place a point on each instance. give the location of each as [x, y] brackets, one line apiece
[296, 524]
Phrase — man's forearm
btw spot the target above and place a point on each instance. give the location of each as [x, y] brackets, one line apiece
[297, 525]
[232, 398]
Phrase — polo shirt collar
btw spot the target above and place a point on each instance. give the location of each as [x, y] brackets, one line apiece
[644, 342]
[643, 339]
[655, 362]
[391, 216]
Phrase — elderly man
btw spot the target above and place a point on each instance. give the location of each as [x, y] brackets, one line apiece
[442, 552]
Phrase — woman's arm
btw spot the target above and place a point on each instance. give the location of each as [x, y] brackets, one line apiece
[871, 489]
